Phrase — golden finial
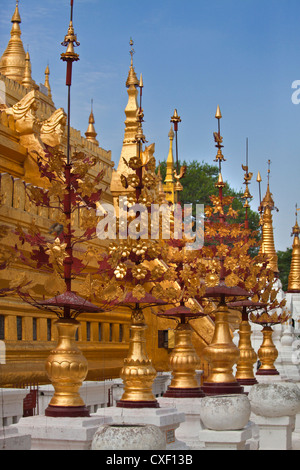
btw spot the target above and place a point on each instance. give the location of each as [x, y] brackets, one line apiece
[132, 78]
[132, 51]
[218, 113]
[16, 16]
[247, 179]
[70, 42]
[179, 173]
[296, 228]
[220, 183]
[141, 84]
[219, 140]
[175, 119]
[258, 179]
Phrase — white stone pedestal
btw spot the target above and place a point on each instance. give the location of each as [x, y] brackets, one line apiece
[188, 431]
[11, 405]
[11, 439]
[296, 433]
[226, 440]
[275, 433]
[49, 433]
[167, 419]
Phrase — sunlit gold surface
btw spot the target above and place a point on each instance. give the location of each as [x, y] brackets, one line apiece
[66, 367]
[169, 184]
[248, 356]
[184, 360]
[267, 353]
[268, 245]
[138, 372]
[294, 276]
[12, 63]
[222, 353]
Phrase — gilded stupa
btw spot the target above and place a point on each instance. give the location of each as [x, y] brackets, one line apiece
[268, 244]
[169, 183]
[130, 146]
[294, 276]
[13, 61]
[91, 133]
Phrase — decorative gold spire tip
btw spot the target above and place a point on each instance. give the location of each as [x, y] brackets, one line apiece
[258, 179]
[218, 113]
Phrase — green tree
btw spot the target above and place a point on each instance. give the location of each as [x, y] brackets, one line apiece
[284, 265]
[199, 184]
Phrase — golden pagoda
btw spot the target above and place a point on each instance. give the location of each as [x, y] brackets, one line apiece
[294, 276]
[268, 245]
[169, 183]
[91, 133]
[130, 146]
[13, 61]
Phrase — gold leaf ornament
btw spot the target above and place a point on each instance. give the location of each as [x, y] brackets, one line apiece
[138, 292]
[56, 252]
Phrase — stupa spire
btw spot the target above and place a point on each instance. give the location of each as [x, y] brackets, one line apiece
[268, 245]
[169, 179]
[47, 82]
[13, 60]
[130, 147]
[91, 133]
[294, 276]
[27, 81]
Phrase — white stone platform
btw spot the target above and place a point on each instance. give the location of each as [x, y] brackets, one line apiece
[188, 431]
[275, 433]
[226, 440]
[167, 419]
[49, 433]
[11, 439]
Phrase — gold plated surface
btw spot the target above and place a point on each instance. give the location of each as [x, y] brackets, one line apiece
[138, 372]
[222, 353]
[13, 60]
[184, 360]
[248, 357]
[267, 353]
[66, 366]
[294, 276]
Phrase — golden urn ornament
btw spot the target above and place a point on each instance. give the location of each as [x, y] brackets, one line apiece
[184, 360]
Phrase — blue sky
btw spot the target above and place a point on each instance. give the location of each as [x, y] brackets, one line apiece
[193, 54]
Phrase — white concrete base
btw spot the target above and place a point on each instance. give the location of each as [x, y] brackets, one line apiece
[49, 433]
[275, 433]
[226, 440]
[167, 419]
[11, 439]
[188, 431]
[11, 405]
[269, 379]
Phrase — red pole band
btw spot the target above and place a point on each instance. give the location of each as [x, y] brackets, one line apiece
[69, 74]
